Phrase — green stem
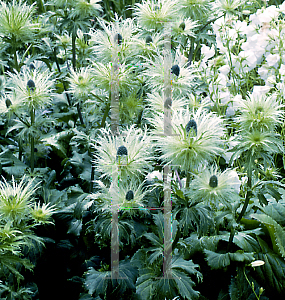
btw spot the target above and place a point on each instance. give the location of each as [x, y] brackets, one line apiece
[188, 180]
[15, 59]
[79, 113]
[32, 141]
[73, 39]
[107, 109]
[246, 202]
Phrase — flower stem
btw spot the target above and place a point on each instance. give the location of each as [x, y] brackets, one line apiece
[73, 39]
[178, 178]
[79, 113]
[246, 202]
[16, 60]
[32, 141]
[188, 180]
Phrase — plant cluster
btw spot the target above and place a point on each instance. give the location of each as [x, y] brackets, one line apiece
[149, 131]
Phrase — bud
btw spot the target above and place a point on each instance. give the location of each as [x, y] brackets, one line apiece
[168, 103]
[32, 67]
[213, 182]
[8, 103]
[148, 39]
[130, 195]
[182, 26]
[71, 123]
[191, 124]
[175, 70]
[118, 38]
[122, 150]
[31, 85]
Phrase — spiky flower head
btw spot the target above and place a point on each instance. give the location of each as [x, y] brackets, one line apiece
[152, 15]
[183, 27]
[196, 10]
[129, 197]
[257, 144]
[42, 213]
[157, 104]
[103, 77]
[128, 153]
[116, 37]
[16, 21]
[228, 7]
[175, 69]
[16, 198]
[190, 149]
[214, 187]
[260, 112]
[81, 83]
[191, 125]
[33, 88]
[146, 46]
[83, 9]
[182, 77]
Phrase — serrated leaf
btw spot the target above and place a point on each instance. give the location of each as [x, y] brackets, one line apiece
[97, 282]
[144, 284]
[276, 232]
[217, 260]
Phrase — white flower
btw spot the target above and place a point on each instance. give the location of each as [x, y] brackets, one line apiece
[260, 112]
[16, 21]
[154, 174]
[214, 188]
[196, 137]
[129, 152]
[224, 70]
[33, 88]
[257, 263]
[260, 90]
[181, 84]
[81, 83]
[152, 15]
[273, 60]
[104, 41]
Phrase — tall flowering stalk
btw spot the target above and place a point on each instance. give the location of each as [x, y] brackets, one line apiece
[31, 91]
[196, 139]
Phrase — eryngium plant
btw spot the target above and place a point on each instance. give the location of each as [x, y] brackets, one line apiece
[260, 112]
[191, 144]
[215, 188]
[152, 15]
[16, 23]
[32, 88]
[129, 152]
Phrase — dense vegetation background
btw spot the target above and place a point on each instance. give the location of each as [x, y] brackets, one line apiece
[62, 165]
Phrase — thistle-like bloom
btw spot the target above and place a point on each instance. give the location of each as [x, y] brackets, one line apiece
[16, 199]
[146, 45]
[81, 83]
[195, 9]
[213, 187]
[157, 103]
[196, 138]
[129, 197]
[106, 43]
[258, 144]
[227, 6]
[260, 112]
[42, 213]
[16, 21]
[152, 15]
[128, 154]
[181, 84]
[103, 77]
[34, 88]
[183, 27]
[83, 9]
